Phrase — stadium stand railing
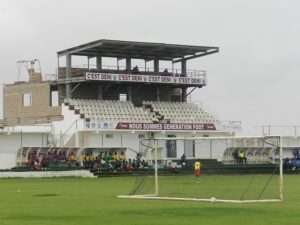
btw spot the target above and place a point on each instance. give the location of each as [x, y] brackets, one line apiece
[80, 71]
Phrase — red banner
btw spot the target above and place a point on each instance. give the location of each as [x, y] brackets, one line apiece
[166, 126]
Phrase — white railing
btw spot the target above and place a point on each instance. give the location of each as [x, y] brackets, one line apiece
[206, 108]
[231, 126]
[50, 77]
[80, 70]
[61, 139]
[286, 130]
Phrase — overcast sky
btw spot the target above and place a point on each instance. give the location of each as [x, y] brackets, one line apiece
[254, 78]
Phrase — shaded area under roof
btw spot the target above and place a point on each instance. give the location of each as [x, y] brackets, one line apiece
[139, 50]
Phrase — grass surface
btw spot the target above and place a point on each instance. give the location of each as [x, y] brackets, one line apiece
[93, 201]
[230, 187]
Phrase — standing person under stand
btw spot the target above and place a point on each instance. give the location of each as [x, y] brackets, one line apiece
[242, 158]
[183, 160]
[135, 70]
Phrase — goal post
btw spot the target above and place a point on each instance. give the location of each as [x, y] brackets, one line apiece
[258, 177]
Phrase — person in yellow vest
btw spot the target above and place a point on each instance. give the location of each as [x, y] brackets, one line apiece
[92, 161]
[114, 158]
[243, 158]
[197, 167]
[85, 161]
[122, 156]
[88, 160]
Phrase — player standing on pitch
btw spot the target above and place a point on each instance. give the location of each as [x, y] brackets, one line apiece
[197, 167]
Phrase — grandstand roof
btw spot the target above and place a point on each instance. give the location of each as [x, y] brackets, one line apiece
[139, 50]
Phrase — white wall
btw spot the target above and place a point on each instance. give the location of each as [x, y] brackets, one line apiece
[93, 139]
[12, 142]
[66, 126]
[131, 141]
[9, 145]
[291, 141]
[7, 160]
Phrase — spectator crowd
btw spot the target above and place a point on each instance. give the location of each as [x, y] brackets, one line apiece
[112, 162]
[292, 163]
[103, 161]
[57, 158]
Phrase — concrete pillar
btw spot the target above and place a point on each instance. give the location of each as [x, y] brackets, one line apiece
[68, 75]
[129, 93]
[68, 66]
[157, 94]
[184, 74]
[183, 94]
[100, 92]
[183, 68]
[156, 66]
[99, 62]
[68, 90]
[58, 69]
[128, 64]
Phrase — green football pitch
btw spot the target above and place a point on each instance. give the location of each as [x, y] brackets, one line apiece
[87, 201]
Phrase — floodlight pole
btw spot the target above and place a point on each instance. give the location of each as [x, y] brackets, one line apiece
[280, 169]
[156, 171]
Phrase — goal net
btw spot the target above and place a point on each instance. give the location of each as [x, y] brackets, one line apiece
[233, 169]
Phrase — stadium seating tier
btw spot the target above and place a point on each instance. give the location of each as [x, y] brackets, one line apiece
[125, 111]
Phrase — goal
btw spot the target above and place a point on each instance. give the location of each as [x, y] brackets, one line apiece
[233, 169]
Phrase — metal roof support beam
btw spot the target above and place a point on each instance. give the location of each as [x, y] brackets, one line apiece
[74, 88]
[121, 58]
[106, 88]
[197, 55]
[191, 91]
[79, 49]
[118, 49]
[137, 88]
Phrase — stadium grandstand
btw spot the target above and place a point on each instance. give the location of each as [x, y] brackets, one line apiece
[88, 116]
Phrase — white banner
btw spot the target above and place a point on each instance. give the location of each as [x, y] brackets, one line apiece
[145, 78]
